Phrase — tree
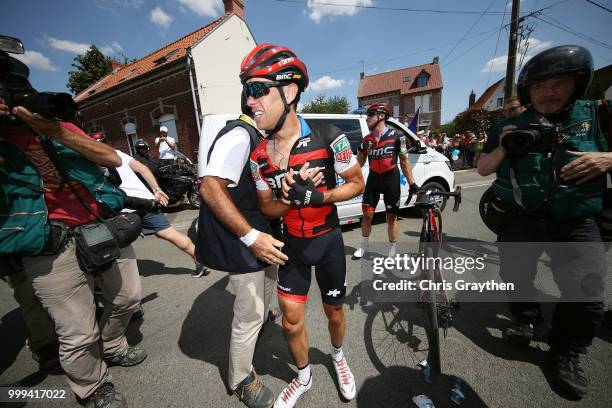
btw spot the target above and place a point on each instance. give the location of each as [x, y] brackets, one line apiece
[448, 128]
[333, 104]
[477, 120]
[90, 67]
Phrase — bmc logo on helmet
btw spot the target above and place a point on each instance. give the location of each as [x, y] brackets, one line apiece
[281, 77]
[285, 61]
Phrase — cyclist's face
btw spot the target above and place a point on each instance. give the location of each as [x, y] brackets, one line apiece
[372, 120]
[553, 94]
[268, 108]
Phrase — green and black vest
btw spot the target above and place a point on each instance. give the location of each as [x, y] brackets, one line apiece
[530, 183]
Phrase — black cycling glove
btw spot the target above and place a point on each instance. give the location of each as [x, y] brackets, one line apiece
[304, 192]
[412, 189]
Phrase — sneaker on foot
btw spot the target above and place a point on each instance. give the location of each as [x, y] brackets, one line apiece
[359, 253]
[570, 375]
[104, 397]
[521, 334]
[130, 357]
[346, 380]
[292, 392]
[200, 271]
[253, 393]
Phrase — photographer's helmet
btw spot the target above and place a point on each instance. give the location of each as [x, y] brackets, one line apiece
[276, 63]
[563, 60]
[377, 108]
[141, 144]
[98, 137]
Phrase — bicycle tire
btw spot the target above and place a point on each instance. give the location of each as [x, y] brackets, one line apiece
[433, 331]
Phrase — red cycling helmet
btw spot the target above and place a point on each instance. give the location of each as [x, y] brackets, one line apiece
[276, 63]
[378, 108]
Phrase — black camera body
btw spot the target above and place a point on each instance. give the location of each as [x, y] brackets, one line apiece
[538, 136]
[16, 90]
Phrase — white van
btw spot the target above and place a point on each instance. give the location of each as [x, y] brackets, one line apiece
[431, 169]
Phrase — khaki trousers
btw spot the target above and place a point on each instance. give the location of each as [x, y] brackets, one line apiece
[66, 293]
[253, 293]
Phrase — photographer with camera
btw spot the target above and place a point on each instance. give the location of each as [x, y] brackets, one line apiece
[54, 209]
[551, 162]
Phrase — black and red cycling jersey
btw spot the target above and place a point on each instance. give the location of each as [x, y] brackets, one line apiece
[323, 146]
[383, 152]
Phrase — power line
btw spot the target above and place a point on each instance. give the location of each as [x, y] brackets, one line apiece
[362, 6]
[468, 31]
[557, 24]
[599, 5]
[501, 25]
[468, 50]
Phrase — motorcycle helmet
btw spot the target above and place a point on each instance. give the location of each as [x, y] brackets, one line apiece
[141, 144]
[563, 60]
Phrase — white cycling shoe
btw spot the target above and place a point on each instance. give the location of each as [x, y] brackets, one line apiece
[292, 392]
[346, 380]
[359, 253]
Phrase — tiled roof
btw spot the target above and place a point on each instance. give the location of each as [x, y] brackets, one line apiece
[480, 103]
[154, 60]
[394, 81]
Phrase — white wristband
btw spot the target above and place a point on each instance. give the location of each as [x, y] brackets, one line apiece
[250, 238]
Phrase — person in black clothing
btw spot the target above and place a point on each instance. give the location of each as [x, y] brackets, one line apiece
[143, 156]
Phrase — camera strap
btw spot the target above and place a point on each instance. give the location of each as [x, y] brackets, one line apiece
[31, 186]
[52, 154]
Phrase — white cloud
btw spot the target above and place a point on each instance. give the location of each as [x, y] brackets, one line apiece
[343, 7]
[159, 17]
[532, 46]
[115, 47]
[35, 59]
[67, 45]
[210, 8]
[324, 83]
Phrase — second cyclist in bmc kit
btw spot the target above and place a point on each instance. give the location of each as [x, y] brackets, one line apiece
[273, 79]
[382, 148]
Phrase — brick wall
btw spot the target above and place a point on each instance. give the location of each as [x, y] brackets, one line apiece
[143, 106]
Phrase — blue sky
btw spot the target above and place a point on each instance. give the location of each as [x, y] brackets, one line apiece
[333, 41]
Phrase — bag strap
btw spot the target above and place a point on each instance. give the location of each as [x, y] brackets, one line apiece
[50, 150]
[31, 186]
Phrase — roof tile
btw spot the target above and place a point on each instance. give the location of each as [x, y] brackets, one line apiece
[394, 81]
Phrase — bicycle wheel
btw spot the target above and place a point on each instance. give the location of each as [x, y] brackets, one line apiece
[433, 332]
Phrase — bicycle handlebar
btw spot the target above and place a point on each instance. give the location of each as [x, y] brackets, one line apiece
[456, 194]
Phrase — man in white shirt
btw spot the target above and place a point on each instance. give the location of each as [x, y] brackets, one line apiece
[166, 145]
[154, 222]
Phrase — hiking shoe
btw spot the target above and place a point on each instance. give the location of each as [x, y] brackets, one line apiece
[130, 357]
[253, 393]
[292, 392]
[520, 334]
[104, 397]
[570, 375]
[359, 253]
[346, 380]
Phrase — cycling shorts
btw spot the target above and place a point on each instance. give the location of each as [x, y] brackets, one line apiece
[387, 184]
[324, 252]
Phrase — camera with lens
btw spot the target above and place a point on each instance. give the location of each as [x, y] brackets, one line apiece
[538, 136]
[16, 90]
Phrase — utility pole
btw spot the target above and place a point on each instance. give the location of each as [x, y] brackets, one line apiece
[512, 46]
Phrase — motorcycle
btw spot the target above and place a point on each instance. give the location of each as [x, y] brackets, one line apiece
[179, 179]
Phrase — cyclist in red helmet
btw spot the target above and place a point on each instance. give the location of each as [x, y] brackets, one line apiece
[273, 78]
[382, 148]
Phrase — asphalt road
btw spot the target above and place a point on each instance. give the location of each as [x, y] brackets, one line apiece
[187, 326]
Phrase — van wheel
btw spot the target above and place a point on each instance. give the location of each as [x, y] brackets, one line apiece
[440, 201]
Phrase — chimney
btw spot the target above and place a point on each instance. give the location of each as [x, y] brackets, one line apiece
[361, 75]
[115, 65]
[234, 6]
[436, 60]
[472, 99]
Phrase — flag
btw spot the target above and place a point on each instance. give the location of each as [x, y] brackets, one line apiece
[414, 122]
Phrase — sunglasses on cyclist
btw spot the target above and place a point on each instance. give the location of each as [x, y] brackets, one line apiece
[258, 89]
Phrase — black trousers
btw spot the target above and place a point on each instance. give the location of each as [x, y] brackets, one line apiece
[578, 262]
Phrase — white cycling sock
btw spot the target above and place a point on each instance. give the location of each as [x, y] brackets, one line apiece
[304, 374]
[392, 249]
[337, 353]
[364, 244]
